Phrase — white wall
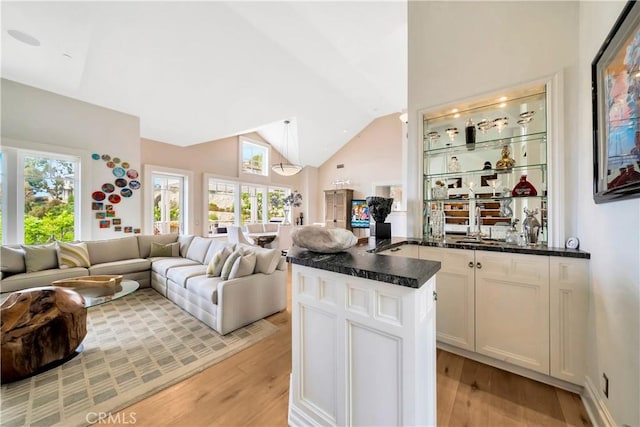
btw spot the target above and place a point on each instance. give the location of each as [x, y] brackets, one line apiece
[461, 49]
[39, 120]
[373, 156]
[611, 232]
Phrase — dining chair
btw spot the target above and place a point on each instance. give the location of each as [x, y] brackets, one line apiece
[235, 235]
[283, 239]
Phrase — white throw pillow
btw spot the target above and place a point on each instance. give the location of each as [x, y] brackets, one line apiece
[243, 266]
[217, 262]
[228, 264]
[267, 260]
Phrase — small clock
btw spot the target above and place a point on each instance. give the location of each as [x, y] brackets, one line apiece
[572, 243]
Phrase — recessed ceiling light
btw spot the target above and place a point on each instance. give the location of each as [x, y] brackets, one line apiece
[455, 110]
[456, 115]
[24, 37]
[504, 104]
[345, 131]
[67, 56]
[502, 98]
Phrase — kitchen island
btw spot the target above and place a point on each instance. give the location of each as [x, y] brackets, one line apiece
[363, 339]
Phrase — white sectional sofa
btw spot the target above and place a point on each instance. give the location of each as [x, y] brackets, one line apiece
[224, 305]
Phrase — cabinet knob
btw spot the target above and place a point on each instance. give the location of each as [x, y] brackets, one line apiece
[479, 265]
[435, 296]
[470, 264]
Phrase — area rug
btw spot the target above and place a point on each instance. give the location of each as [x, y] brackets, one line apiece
[135, 346]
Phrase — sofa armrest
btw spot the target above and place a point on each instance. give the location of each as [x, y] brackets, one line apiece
[248, 299]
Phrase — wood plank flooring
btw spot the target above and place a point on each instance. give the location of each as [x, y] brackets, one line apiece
[251, 388]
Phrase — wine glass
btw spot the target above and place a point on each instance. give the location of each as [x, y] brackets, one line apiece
[484, 125]
[493, 183]
[452, 132]
[501, 123]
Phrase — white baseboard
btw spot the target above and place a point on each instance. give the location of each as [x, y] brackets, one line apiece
[595, 406]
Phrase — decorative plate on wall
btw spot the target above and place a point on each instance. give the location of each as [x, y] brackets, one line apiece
[119, 172]
[125, 165]
[98, 196]
[121, 182]
[134, 185]
[95, 156]
[116, 160]
[111, 165]
[108, 187]
[126, 192]
[132, 173]
[106, 157]
[114, 198]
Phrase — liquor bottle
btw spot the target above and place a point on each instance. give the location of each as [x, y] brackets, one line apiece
[470, 135]
[524, 188]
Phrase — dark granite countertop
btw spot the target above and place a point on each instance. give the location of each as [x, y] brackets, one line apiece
[359, 262]
[494, 246]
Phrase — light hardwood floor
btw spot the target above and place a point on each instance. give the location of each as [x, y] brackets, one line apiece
[251, 388]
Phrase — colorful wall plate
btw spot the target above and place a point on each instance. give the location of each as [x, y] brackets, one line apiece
[106, 157]
[134, 185]
[119, 172]
[121, 182]
[125, 165]
[126, 192]
[111, 165]
[108, 187]
[95, 156]
[132, 173]
[114, 198]
[116, 160]
[98, 196]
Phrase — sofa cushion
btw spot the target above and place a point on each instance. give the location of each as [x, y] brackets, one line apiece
[266, 259]
[144, 242]
[205, 287]
[12, 260]
[101, 251]
[271, 227]
[255, 228]
[121, 267]
[216, 246]
[164, 250]
[185, 242]
[40, 257]
[243, 266]
[39, 278]
[72, 255]
[228, 264]
[180, 275]
[162, 265]
[198, 249]
[214, 268]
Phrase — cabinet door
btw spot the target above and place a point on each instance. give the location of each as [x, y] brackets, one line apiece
[455, 283]
[568, 301]
[512, 308]
[409, 251]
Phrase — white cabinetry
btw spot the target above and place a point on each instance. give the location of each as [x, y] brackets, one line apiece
[526, 310]
[568, 302]
[455, 318]
[363, 351]
[512, 308]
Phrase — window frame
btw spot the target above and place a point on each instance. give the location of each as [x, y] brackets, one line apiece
[147, 220]
[243, 140]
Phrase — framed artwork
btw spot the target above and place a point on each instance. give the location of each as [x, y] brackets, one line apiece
[95, 206]
[117, 221]
[100, 215]
[111, 214]
[105, 223]
[615, 85]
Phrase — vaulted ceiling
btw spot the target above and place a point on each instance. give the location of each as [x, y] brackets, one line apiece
[200, 71]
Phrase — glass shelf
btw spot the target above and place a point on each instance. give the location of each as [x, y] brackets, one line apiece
[460, 148]
[520, 170]
[485, 199]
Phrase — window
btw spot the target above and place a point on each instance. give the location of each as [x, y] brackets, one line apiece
[252, 204]
[276, 204]
[43, 208]
[255, 157]
[222, 200]
[168, 204]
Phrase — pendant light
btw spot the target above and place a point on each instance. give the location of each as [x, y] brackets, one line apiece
[282, 168]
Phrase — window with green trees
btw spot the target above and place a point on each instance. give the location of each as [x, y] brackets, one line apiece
[49, 198]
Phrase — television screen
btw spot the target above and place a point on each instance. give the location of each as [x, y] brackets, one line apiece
[359, 214]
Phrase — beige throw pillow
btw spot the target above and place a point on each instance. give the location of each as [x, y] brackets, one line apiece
[73, 255]
[217, 262]
[228, 264]
[168, 250]
[243, 266]
[267, 260]
[40, 257]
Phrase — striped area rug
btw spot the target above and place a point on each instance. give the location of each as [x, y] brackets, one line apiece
[135, 346]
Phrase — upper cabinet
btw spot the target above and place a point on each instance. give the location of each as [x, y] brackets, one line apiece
[485, 161]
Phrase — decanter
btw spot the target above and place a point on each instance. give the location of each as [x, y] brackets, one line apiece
[524, 188]
[531, 226]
